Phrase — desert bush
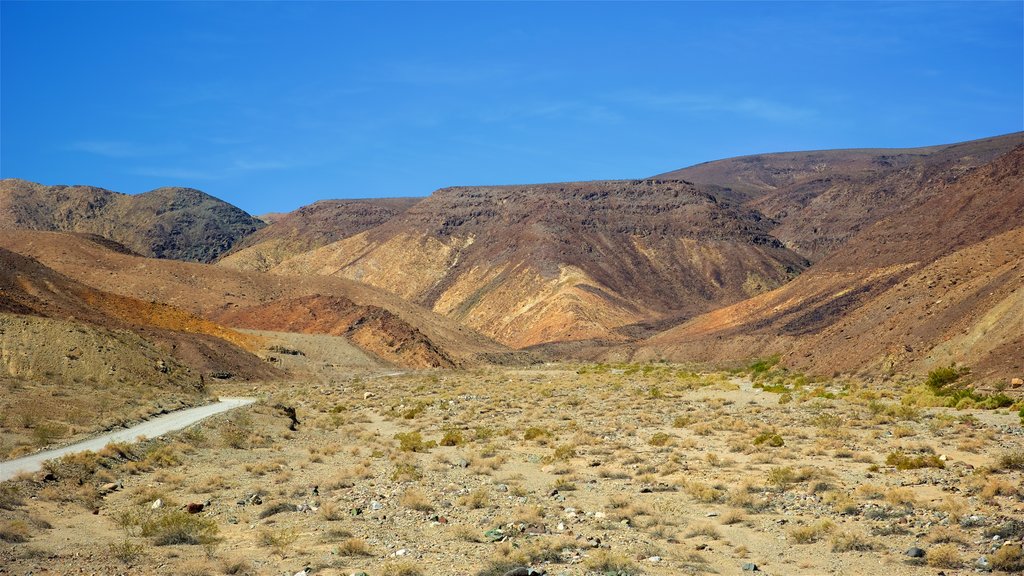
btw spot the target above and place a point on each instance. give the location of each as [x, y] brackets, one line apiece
[452, 438]
[1013, 460]
[278, 540]
[702, 492]
[944, 556]
[479, 498]
[770, 438]
[906, 462]
[1008, 558]
[179, 527]
[126, 551]
[354, 547]
[562, 453]
[811, 533]
[535, 432]
[405, 472]
[14, 531]
[413, 442]
[659, 439]
[608, 562]
[10, 497]
[845, 541]
[415, 500]
[781, 477]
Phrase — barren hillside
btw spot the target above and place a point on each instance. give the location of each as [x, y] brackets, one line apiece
[940, 281]
[820, 199]
[571, 261]
[177, 223]
[311, 227]
[209, 291]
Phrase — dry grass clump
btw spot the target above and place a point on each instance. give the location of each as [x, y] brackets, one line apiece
[811, 533]
[703, 530]
[845, 541]
[608, 562]
[414, 499]
[1013, 460]
[475, 500]
[172, 527]
[14, 531]
[1009, 558]
[353, 547]
[944, 556]
[702, 492]
[906, 462]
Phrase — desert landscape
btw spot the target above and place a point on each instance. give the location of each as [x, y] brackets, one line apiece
[762, 364]
[504, 288]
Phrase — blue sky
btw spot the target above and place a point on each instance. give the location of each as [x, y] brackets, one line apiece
[271, 106]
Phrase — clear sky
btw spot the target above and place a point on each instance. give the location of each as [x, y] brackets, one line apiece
[274, 105]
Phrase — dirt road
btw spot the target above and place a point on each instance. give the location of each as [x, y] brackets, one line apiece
[149, 429]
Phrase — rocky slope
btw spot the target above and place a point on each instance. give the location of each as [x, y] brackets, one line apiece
[940, 281]
[570, 261]
[821, 199]
[176, 223]
[212, 291]
[311, 227]
[28, 288]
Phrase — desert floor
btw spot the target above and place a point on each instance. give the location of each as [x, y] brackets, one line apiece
[573, 469]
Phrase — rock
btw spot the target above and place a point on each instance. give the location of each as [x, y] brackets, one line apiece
[1016, 382]
[158, 503]
[750, 567]
[374, 505]
[524, 571]
[983, 564]
[915, 552]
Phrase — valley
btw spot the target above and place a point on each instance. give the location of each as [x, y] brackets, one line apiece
[795, 363]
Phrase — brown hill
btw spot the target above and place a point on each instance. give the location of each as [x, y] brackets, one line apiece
[371, 328]
[311, 227]
[570, 261]
[177, 223]
[212, 291]
[940, 281]
[820, 199]
[29, 288]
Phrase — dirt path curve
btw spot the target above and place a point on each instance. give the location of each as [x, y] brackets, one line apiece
[150, 429]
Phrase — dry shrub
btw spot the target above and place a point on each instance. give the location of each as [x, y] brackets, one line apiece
[354, 547]
[1008, 558]
[414, 499]
[812, 532]
[944, 556]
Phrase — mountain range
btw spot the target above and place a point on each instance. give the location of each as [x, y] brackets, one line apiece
[870, 261]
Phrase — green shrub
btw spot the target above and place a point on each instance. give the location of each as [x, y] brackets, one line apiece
[413, 442]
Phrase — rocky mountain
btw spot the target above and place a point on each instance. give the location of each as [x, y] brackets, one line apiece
[311, 227]
[821, 199]
[404, 332]
[571, 261]
[176, 223]
[940, 280]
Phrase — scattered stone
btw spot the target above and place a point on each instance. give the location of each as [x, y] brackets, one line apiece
[750, 567]
[983, 564]
[915, 552]
[157, 504]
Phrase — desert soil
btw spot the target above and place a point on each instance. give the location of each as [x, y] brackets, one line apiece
[598, 469]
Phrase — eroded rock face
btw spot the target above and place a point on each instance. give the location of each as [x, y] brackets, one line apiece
[174, 223]
[570, 261]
